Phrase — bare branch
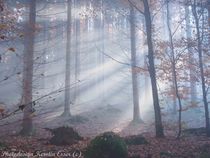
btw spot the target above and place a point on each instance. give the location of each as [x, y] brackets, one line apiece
[142, 12]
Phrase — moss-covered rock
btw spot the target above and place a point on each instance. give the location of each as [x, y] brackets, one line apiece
[204, 155]
[204, 151]
[64, 136]
[3, 146]
[107, 145]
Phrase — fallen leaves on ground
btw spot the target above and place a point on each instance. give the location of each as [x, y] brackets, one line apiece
[168, 147]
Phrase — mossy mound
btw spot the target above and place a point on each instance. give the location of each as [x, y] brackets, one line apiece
[3, 146]
[136, 140]
[64, 136]
[204, 151]
[204, 155]
[107, 145]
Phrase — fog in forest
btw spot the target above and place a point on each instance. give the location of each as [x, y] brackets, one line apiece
[91, 65]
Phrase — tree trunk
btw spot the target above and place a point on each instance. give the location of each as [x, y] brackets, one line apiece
[193, 90]
[208, 5]
[135, 86]
[77, 59]
[146, 78]
[28, 69]
[152, 71]
[165, 33]
[174, 72]
[68, 64]
[102, 47]
[201, 67]
[43, 56]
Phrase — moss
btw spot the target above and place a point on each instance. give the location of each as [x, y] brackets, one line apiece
[107, 145]
[3, 146]
[64, 136]
[204, 155]
[205, 151]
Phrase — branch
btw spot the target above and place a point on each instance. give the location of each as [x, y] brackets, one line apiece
[136, 7]
[120, 62]
[23, 106]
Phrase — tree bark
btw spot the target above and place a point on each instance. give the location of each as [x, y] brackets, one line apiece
[193, 90]
[68, 63]
[103, 47]
[135, 85]
[201, 67]
[174, 72]
[77, 57]
[152, 71]
[165, 33]
[28, 70]
[208, 5]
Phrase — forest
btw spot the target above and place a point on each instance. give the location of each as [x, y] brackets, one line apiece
[104, 78]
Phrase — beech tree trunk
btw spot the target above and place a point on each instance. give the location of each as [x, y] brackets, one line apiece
[174, 72]
[102, 47]
[193, 90]
[28, 69]
[68, 63]
[208, 5]
[77, 58]
[167, 50]
[152, 71]
[201, 67]
[136, 113]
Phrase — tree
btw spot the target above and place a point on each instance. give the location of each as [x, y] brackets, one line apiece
[77, 52]
[174, 70]
[29, 35]
[166, 51]
[208, 9]
[102, 34]
[136, 112]
[196, 14]
[191, 58]
[68, 63]
[152, 71]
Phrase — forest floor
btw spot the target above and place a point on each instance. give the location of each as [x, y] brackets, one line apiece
[169, 147]
[91, 123]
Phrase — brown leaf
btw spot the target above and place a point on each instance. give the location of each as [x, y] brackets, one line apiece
[2, 37]
[11, 49]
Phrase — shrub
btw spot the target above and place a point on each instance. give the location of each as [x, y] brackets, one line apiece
[204, 151]
[204, 155]
[64, 136]
[107, 145]
[3, 146]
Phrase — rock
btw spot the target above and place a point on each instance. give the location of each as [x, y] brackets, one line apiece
[64, 136]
